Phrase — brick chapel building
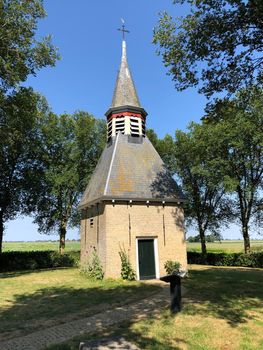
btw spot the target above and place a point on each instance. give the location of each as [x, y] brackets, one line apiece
[131, 201]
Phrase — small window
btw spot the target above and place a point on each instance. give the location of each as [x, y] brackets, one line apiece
[91, 222]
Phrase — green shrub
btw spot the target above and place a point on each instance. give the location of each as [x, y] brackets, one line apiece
[193, 239]
[172, 267]
[127, 272]
[34, 260]
[254, 259]
[92, 267]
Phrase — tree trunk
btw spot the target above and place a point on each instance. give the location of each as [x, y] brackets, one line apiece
[1, 230]
[202, 238]
[245, 211]
[246, 238]
[62, 236]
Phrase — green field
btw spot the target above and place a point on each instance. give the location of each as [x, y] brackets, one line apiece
[44, 245]
[224, 246]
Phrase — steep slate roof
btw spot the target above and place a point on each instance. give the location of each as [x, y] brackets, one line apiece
[129, 170]
[125, 93]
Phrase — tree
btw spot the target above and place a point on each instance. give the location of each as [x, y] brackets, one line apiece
[20, 53]
[218, 43]
[164, 147]
[202, 181]
[71, 148]
[238, 131]
[21, 115]
[193, 239]
[21, 109]
[214, 237]
[191, 158]
[152, 136]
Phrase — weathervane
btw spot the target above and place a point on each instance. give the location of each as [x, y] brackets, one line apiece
[122, 29]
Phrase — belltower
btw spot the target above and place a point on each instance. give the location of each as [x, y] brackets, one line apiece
[125, 114]
[132, 201]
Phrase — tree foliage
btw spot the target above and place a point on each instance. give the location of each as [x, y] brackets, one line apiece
[71, 147]
[21, 110]
[218, 43]
[21, 115]
[20, 53]
[220, 164]
[190, 157]
[165, 148]
[237, 126]
[202, 180]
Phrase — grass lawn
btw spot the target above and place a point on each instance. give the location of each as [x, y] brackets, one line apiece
[33, 300]
[45, 245]
[223, 309]
[226, 246]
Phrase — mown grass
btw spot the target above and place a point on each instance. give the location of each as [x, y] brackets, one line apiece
[225, 246]
[45, 245]
[222, 309]
[33, 300]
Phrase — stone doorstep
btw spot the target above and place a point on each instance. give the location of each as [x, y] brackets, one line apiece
[118, 343]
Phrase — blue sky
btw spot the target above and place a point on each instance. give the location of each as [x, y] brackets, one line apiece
[85, 32]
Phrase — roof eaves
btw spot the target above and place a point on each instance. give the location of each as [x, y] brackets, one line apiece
[133, 199]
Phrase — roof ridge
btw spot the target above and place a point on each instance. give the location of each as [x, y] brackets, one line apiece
[111, 164]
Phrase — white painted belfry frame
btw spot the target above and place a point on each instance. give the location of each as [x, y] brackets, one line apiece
[156, 256]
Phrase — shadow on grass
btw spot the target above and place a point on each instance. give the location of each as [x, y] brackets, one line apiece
[126, 331]
[153, 343]
[223, 293]
[50, 306]
[227, 293]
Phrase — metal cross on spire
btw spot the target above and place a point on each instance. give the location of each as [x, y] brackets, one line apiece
[122, 29]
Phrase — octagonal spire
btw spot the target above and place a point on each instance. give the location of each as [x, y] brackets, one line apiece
[125, 93]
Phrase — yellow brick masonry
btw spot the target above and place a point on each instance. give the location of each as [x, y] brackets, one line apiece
[120, 224]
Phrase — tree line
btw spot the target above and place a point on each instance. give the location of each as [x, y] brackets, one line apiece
[46, 160]
[217, 46]
[219, 164]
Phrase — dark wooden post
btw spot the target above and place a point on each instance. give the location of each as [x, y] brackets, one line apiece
[175, 291]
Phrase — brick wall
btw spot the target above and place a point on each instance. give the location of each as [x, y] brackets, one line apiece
[121, 224]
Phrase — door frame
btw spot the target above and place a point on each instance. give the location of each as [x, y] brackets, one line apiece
[156, 255]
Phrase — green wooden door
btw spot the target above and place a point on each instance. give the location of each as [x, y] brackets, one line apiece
[146, 259]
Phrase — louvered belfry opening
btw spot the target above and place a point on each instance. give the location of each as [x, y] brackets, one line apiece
[125, 116]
